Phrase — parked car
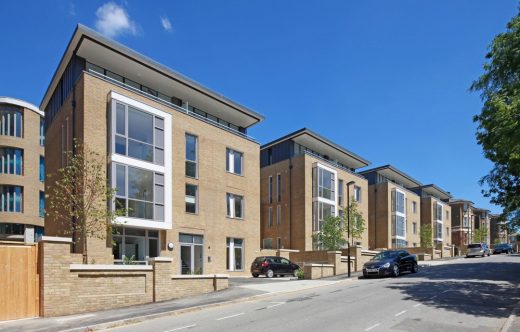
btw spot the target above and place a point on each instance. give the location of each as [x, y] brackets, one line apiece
[478, 249]
[503, 248]
[390, 262]
[271, 266]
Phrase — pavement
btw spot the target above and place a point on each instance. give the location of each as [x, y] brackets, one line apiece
[477, 294]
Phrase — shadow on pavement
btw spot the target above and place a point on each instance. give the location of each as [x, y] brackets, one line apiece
[487, 289]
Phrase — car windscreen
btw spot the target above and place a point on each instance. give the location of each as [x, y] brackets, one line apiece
[385, 255]
[474, 246]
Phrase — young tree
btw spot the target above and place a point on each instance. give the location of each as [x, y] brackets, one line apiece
[357, 222]
[480, 235]
[78, 197]
[426, 236]
[498, 126]
[330, 237]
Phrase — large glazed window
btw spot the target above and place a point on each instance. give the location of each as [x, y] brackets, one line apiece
[11, 198]
[321, 212]
[11, 121]
[11, 161]
[234, 254]
[191, 253]
[138, 134]
[140, 192]
[326, 184]
[135, 244]
[191, 156]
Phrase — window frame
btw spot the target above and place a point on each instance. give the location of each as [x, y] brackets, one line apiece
[230, 257]
[196, 161]
[196, 198]
[230, 166]
[231, 205]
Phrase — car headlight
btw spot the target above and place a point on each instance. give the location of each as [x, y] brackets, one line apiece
[386, 265]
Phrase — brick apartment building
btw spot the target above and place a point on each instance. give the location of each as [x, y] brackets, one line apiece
[303, 178]
[22, 174]
[394, 211]
[177, 152]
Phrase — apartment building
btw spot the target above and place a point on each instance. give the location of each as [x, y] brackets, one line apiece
[436, 213]
[177, 152]
[304, 178]
[497, 231]
[22, 174]
[394, 211]
[463, 222]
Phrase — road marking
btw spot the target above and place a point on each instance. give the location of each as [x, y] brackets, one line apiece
[372, 327]
[400, 313]
[221, 318]
[417, 305]
[182, 328]
[275, 305]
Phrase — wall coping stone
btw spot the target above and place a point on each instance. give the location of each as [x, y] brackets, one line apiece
[56, 239]
[334, 252]
[352, 258]
[160, 259]
[370, 251]
[319, 265]
[288, 250]
[108, 267]
[200, 276]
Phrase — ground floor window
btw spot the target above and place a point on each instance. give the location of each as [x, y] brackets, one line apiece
[398, 243]
[134, 245]
[235, 254]
[191, 253]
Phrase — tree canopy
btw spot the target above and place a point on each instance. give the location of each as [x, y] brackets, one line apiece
[498, 129]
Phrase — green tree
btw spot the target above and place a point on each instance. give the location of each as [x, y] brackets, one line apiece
[357, 222]
[480, 235]
[78, 197]
[498, 129]
[426, 236]
[330, 237]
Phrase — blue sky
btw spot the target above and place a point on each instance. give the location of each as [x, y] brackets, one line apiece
[386, 79]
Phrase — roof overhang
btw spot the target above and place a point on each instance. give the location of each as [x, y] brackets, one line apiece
[21, 103]
[394, 174]
[435, 191]
[323, 146]
[122, 60]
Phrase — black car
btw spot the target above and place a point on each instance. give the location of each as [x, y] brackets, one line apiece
[390, 262]
[271, 266]
[503, 248]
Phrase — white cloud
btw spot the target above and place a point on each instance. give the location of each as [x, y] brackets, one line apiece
[166, 24]
[113, 20]
[72, 9]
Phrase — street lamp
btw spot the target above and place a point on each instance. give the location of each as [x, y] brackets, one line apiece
[348, 224]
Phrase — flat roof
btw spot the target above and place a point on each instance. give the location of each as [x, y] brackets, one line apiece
[122, 60]
[21, 103]
[434, 191]
[320, 144]
[395, 174]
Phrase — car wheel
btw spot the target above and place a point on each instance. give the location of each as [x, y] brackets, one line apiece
[255, 275]
[269, 274]
[395, 271]
[415, 268]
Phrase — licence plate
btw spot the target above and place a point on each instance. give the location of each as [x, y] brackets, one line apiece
[372, 270]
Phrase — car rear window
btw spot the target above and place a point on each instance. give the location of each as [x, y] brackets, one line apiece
[259, 259]
[473, 246]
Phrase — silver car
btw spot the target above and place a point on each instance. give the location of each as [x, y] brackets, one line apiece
[478, 249]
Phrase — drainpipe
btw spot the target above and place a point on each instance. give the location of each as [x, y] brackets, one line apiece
[290, 203]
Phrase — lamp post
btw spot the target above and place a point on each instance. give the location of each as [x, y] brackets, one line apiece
[348, 224]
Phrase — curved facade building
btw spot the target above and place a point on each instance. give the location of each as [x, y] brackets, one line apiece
[22, 173]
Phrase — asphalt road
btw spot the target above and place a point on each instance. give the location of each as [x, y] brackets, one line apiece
[475, 294]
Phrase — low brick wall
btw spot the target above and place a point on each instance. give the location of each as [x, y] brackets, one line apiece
[318, 271]
[68, 287]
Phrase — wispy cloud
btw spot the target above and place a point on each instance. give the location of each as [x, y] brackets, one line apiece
[113, 20]
[166, 24]
[72, 9]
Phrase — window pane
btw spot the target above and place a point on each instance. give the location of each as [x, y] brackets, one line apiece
[159, 212]
[191, 169]
[159, 156]
[159, 194]
[140, 184]
[238, 258]
[120, 145]
[159, 138]
[238, 162]
[120, 119]
[153, 245]
[238, 207]
[140, 150]
[159, 123]
[191, 147]
[186, 238]
[134, 231]
[120, 180]
[140, 125]
[139, 209]
[159, 178]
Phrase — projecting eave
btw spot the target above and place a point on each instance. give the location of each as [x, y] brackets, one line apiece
[320, 144]
[124, 61]
[394, 174]
[435, 191]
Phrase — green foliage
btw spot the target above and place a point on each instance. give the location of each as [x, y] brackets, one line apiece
[78, 195]
[480, 235]
[357, 222]
[499, 121]
[330, 237]
[426, 236]
[300, 274]
[129, 260]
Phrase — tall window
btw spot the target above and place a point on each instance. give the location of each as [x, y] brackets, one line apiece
[398, 218]
[270, 189]
[398, 226]
[234, 160]
[140, 192]
[11, 198]
[414, 227]
[438, 231]
[191, 198]
[447, 215]
[340, 192]
[278, 214]
[42, 169]
[357, 194]
[235, 206]
[414, 207]
[191, 156]
[326, 183]
[42, 132]
[11, 121]
[278, 188]
[321, 211]
[191, 253]
[11, 161]
[42, 204]
[398, 201]
[138, 134]
[270, 217]
[437, 211]
[136, 243]
[235, 254]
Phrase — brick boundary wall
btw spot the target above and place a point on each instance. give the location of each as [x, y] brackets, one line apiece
[69, 287]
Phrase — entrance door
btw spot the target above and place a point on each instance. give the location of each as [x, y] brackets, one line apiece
[20, 283]
[191, 253]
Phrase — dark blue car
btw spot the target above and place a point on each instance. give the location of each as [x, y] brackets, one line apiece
[390, 263]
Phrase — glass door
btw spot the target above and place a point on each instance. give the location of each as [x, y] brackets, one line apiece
[192, 254]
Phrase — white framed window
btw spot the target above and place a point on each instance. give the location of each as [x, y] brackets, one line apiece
[235, 206]
[192, 156]
[398, 217]
[437, 212]
[135, 244]
[321, 211]
[234, 161]
[278, 214]
[191, 253]
[235, 254]
[357, 194]
[191, 198]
